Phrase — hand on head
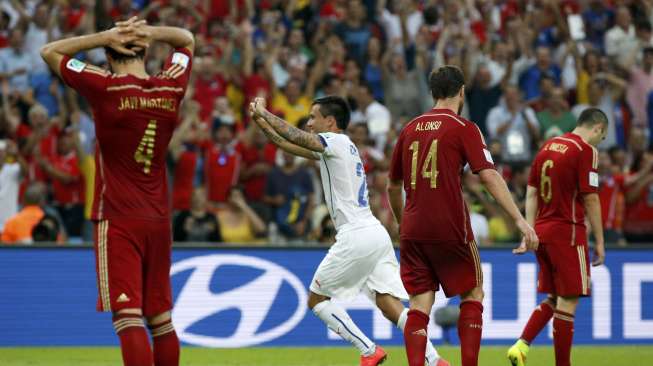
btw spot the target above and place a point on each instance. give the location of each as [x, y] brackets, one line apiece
[129, 37]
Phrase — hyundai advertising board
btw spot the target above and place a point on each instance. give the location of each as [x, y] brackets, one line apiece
[257, 297]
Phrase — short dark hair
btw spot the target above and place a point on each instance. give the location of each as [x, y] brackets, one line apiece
[591, 117]
[446, 82]
[335, 106]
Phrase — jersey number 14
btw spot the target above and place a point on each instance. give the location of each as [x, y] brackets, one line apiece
[429, 168]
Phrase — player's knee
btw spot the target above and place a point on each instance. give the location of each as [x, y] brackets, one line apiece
[159, 318]
[160, 324]
[126, 319]
[314, 299]
[476, 294]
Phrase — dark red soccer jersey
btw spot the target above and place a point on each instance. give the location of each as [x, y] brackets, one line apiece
[134, 121]
[563, 171]
[429, 157]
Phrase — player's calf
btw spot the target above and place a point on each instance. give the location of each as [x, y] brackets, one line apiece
[563, 329]
[164, 338]
[470, 325]
[134, 344]
[337, 319]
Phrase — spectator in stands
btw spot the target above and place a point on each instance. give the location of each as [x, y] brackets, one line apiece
[586, 68]
[372, 113]
[186, 155]
[292, 102]
[639, 200]
[620, 38]
[289, 191]
[41, 28]
[238, 222]
[482, 96]
[18, 228]
[257, 161]
[641, 84]
[16, 63]
[355, 31]
[372, 73]
[209, 85]
[529, 81]
[604, 92]
[221, 163]
[372, 158]
[518, 184]
[556, 119]
[598, 18]
[63, 169]
[515, 125]
[12, 168]
[197, 224]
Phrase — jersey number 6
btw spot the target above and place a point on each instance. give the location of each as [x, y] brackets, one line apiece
[429, 169]
[145, 151]
[545, 182]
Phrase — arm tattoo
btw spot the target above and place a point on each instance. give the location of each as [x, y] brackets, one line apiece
[294, 134]
[276, 139]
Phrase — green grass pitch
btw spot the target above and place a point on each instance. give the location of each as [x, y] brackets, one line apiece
[490, 356]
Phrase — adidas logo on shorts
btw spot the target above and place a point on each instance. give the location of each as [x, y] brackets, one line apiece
[122, 298]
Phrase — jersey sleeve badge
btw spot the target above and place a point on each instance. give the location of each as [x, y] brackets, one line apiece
[75, 65]
[594, 179]
[180, 59]
[488, 156]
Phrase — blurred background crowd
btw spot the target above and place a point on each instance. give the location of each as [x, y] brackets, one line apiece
[531, 67]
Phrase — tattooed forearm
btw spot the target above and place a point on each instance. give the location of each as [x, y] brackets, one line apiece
[293, 134]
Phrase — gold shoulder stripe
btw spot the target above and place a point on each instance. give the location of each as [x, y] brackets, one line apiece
[90, 71]
[147, 90]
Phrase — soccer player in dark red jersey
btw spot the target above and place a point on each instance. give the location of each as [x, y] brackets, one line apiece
[437, 243]
[135, 115]
[562, 191]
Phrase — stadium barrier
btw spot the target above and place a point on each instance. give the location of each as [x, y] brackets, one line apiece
[240, 297]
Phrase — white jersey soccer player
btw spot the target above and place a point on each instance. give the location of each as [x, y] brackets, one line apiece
[362, 258]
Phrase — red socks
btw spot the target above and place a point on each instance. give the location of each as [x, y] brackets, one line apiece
[166, 344]
[563, 334]
[470, 328]
[134, 343]
[415, 337]
[538, 320]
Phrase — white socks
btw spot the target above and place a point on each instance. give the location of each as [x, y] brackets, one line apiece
[432, 355]
[337, 319]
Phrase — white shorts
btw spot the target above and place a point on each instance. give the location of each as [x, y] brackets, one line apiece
[361, 260]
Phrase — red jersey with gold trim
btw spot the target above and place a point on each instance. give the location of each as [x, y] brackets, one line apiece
[563, 171]
[134, 121]
[429, 157]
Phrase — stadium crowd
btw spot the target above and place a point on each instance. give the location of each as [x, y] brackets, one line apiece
[532, 66]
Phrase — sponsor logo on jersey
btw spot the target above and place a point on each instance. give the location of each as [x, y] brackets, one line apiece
[210, 295]
[180, 59]
[75, 65]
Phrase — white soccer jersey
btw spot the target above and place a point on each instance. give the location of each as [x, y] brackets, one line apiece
[344, 182]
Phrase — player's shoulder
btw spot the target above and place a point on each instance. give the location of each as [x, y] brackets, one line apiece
[330, 138]
[80, 67]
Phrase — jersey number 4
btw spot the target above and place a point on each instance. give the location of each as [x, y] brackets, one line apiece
[429, 168]
[145, 151]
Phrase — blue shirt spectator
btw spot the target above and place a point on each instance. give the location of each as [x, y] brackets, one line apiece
[598, 19]
[529, 81]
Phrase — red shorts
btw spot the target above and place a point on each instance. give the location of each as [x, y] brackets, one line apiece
[425, 266]
[564, 269]
[132, 258]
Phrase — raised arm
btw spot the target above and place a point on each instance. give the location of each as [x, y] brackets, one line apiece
[282, 143]
[293, 134]
[116, 38]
